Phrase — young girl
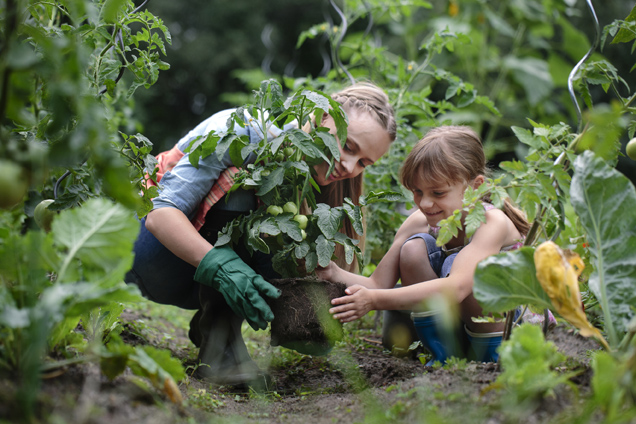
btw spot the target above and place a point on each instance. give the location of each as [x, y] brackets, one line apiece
[175, 259]
[438, 170]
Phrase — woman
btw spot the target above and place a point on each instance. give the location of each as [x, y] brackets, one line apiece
[175, 259]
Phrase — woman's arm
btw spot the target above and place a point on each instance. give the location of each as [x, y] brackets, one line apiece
[387, 272]
[173, 229]
[487, 241]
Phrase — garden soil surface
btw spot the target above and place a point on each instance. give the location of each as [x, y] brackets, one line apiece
[358, 381]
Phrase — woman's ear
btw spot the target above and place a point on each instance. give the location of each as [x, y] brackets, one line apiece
[325, 115]
[479, 180]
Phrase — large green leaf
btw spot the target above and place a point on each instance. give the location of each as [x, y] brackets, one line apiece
[329, 219]
[504, 281]
[605, 201]
[98, 241]
[324, 250]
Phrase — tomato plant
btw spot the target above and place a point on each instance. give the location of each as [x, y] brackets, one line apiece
[285, 187]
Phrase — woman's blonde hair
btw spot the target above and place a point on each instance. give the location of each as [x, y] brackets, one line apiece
[452, 154]
[359, 97]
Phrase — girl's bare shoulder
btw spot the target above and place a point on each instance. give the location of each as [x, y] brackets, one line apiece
[497, 222]
[415, 223]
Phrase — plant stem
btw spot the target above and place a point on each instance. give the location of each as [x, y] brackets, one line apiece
[11, 23]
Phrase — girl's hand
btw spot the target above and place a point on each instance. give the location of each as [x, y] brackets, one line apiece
[354, 306]
[327, 273]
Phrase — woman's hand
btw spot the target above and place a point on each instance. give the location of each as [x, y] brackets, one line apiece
[354, 306]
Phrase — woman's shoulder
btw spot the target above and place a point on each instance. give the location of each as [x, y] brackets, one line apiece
[217, 122]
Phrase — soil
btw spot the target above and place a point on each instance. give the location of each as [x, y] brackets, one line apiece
[301, 315]
[358, 381]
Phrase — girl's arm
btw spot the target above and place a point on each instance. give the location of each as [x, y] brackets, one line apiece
[487, 240]
[387, 272]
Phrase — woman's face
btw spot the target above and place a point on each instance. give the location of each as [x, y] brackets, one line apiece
[366, 142]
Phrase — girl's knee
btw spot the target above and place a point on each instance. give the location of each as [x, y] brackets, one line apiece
[413, 250]
[414, 262]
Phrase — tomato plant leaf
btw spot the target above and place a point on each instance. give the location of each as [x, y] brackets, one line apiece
[474, 219]
[311, 261]
[255, 241]
[355, 215]
[269, 227]
[381, 196]
[330, 141]
[290, 227]
[274, 179]
[236, 151]
[328, 219]
[305, 143]
[301, 250]
[324, 250]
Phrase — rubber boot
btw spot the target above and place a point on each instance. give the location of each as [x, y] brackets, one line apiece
[484, 346]
[194, 333]
[398, 332]
[442, 343]
[223, 357]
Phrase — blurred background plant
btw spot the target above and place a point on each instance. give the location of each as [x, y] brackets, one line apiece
[65, 113]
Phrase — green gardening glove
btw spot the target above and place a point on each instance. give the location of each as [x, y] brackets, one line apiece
[242, 288]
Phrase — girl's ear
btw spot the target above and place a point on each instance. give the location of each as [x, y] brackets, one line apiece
[479, 180]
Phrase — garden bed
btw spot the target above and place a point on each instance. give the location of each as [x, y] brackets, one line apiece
[358, 380]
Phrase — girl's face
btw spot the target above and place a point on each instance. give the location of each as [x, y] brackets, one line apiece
[438, 202]
[366, 142]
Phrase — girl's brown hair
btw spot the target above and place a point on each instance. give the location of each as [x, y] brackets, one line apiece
[452, 154]
[359, 97]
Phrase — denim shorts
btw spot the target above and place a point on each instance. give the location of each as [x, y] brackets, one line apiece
[440, 262]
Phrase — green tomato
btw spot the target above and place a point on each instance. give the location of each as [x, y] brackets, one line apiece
[631, 148]
[43, 215]
[280, 157]
[290, 207]
[13, 184]
[288, 152]
[303, 233]
[265, 172]
[301, 220]
[274, 210]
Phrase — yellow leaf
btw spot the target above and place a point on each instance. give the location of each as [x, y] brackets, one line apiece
[558, 273]
[172, 391]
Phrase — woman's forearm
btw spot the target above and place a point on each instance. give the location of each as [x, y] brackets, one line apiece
[173, 229]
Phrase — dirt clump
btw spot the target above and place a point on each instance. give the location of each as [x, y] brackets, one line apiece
[301, 315]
